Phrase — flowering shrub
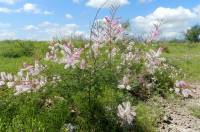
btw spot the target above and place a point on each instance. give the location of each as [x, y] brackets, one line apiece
[126, 113]
[18, 49]
[93, 79]
[107, 30]
[69, 56]
[181, 87]
[27, 79]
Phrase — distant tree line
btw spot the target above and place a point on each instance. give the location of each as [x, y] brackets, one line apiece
[193, 34]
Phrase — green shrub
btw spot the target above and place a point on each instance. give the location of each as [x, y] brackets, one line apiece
[193, 34]
[18, 49]
[195, 111]
[147, 118]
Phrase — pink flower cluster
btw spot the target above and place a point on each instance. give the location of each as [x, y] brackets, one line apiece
[181, 87]
[70, 56]
[153, 60]
[107, 29]
[27, 79]
[124, 83]
[7, 79]
[126, 113]
[113, 28]
[154, 33]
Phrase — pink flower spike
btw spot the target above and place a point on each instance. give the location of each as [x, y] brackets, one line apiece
[154, 34]
[83, 64]
[67, 49]
[181, 84]
[107, 19]
[115, 22]
[77, 53]
[186, 93]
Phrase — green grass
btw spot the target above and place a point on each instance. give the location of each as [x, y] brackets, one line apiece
[195, 111]
[187, 57]
[12, 65]
[30, 111]
[14, 53]
[147, 117]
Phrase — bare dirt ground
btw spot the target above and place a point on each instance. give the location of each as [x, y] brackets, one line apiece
[178, 116]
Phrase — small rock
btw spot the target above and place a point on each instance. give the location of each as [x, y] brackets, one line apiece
[167, 119]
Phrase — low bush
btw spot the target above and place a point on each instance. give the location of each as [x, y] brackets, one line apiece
[89, 87]
[18, 49]
[195, 111]
[147, 118]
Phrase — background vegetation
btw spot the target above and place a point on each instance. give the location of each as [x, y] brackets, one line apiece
[54, 106]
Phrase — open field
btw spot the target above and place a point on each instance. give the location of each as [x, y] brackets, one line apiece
[185, 56]
[99, 66]
[47, 109]
[14, 53]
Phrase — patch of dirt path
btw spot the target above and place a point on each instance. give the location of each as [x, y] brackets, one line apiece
[178, 117]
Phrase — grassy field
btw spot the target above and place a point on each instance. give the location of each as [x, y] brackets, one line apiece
[14, 53]
[187, 57]
[32, 111]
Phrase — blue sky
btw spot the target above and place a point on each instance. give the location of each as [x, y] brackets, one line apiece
[43, 19]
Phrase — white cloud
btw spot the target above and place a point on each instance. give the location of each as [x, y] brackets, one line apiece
[30, 28]
[5, 10]
[47, 30]
[68, 16]
[5, 34]
[33, 8]
[48, 12]
[106, 3]
[42, 31]
[197, 10]
[29, 7]
[54, 28]
[175, 21]
[76, 1]
[9, 1]
[145, 1]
